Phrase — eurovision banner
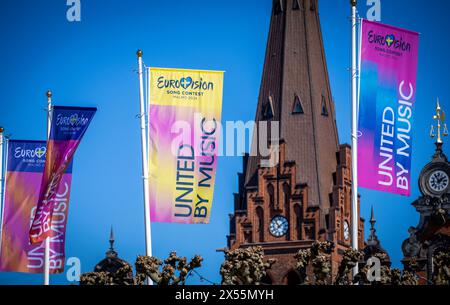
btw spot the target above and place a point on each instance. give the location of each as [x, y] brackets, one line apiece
[184, 131]
[25, 167]
[67, 129]
[387, 97]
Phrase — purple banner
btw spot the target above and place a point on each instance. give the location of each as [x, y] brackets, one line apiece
[387, 97]
[67, 129]
[25, 167]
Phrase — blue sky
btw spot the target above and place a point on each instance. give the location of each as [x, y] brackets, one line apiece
[93, 63]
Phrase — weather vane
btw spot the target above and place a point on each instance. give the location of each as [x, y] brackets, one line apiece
[440, 118]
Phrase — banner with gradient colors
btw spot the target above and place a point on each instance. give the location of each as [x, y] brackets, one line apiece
[67, 129]
[25, 167]
[387, 96]
[185, 109]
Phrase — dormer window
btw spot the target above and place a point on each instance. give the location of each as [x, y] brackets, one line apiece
[298, 107]
[324, 106]
[268, 109]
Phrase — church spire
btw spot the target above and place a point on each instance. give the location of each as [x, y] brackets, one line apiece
[295, 91]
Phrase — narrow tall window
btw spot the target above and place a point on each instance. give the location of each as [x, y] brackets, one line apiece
[260, 225]
[296, 5]
[324, 106]
[298, 108]
[287, 205]
[268, 109]
[287, 197]
[298, 221]
[271, 192]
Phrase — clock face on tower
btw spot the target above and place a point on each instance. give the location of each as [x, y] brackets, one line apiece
[346, 231]
[278, 226]
[438, 181]
[435, 179]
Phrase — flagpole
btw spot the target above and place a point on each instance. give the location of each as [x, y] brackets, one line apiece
[1, 178]
[47, 239]
[148, 234]
[354, 75]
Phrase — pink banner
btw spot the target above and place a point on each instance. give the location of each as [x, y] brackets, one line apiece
[387, 97]
[68, 127]
[25, 168]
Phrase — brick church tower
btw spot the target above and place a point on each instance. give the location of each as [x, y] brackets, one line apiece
[306, 195]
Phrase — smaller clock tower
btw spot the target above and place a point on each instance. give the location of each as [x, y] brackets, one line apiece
[432, 234]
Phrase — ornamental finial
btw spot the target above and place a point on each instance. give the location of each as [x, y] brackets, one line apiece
[440, 119]
[373, 239]
[111, 239]
[372, 219]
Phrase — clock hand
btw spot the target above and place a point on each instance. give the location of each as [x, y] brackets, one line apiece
[440, 180]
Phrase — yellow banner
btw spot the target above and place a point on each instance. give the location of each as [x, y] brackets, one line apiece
[184, 130]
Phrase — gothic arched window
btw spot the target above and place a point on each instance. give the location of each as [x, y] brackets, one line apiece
[298, 221]
[298, 107]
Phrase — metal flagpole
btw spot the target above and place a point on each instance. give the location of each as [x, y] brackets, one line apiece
[47, 239]
[354, 75]
[1, 181]
[148, 234]
[1, 166]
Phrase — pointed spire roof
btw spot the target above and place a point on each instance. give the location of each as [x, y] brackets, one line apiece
[111, 252]
[373, 239]
[295, 65]
[373, 244]
[112, 262]
[111, 239]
